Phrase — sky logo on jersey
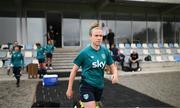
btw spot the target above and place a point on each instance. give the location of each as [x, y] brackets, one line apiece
[98, 64]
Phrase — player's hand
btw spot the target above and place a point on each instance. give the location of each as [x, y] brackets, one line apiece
[114, 78]
[69, 93]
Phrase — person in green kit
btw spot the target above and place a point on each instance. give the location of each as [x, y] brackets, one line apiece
[41, 59]
[92, 60]
[49, 53]
[17, 60]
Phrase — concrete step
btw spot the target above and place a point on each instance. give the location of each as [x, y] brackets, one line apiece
[65, 53]
[63, 73]
[55, 59]
[63, 64]
[61, 70]
[64, 56]
[62, 61]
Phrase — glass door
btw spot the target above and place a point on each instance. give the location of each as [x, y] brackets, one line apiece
[71, 32]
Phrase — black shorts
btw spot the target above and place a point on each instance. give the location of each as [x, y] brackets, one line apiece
[49, 55]
[89, 93]
[41, 60]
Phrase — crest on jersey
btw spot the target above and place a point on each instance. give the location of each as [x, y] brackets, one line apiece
[92, 56]
[86, 96]
[103, 56]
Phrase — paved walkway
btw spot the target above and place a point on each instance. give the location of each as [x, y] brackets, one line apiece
[160, 89]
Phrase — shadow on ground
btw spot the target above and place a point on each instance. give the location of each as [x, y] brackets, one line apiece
[113, 96]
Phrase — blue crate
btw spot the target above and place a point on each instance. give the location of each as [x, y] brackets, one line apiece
[50, 80]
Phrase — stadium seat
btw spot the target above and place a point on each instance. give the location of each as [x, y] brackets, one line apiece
[177, 58]
[121, 45]
[144, 45]
[159, 59]
[155, 45]
[168, 51]
[133, 45]
[161, 45]
[157, 51]
[171, 45]
[138, 45]
[150, 45]
[139, 51]
[176, 45]
[166, 45]
[127, 51]
[163, 51]
[174, 51]
[165, 58]
[151, 51]
[171, 58]
[28, 54]
[127, 45]
[145, 51]
[178, 51]
[3, 54]
[153, 58]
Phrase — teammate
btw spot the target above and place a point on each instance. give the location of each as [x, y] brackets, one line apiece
[92, 60]
[41, 59]
[49, 53]
[17, 60]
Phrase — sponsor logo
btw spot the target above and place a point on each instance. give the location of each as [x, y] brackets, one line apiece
[98, 64]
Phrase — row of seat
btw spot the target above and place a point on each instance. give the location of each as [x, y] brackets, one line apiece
[24, 47]
[158, 58]
[29, 57]
[26, 53]
[152, 51]
[150, 45]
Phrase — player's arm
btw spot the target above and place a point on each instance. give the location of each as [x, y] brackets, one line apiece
[69, 92]
[113, 69]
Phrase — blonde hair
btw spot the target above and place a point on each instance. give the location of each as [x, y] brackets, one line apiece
[94, 25]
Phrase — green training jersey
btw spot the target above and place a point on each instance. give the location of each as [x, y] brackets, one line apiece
[40, 53]
[17, 59]
[93, 63]
[49, 48]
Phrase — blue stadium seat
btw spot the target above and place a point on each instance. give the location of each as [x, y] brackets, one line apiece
[150, 45]
[171, 45]
[161, 45]
[177, 58]
[139, 45]
[127, 45]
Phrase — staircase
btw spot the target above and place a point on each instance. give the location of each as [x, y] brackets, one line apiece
[63, 62]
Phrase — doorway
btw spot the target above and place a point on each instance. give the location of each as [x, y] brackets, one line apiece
[54, 19]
